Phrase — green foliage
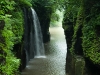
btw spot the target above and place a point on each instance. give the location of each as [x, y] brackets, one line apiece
[6, 6]
[48, 8]
[91, 39]
[45, 3]
[17, 25]
[79, 21]
[24, 3]
[79, 24]
[44, 9]
[54, 4]
[70, 16]
[72, 22]
[56, 18]
[11, 64]
[11, 32]
[87, 16]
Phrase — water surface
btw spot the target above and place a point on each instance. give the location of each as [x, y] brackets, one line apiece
[54, 61]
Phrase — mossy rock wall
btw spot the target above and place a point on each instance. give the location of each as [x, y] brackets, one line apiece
[82, 31]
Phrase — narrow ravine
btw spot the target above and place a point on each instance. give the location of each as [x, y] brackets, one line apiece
[54, 62]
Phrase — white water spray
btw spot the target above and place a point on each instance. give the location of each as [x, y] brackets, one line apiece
[39, 47]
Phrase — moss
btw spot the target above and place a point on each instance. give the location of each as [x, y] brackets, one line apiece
[24, 3]
[85, 21]
[91, 40]
[6, 47]
[90, 31]
[78, 25]
[17, 25]
[11, 32]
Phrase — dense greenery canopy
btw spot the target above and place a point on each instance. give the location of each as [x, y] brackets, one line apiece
[11, 31]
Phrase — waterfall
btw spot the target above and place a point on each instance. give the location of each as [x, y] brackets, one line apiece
[38, 41]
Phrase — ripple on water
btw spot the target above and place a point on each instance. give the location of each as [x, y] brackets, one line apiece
[54, 61]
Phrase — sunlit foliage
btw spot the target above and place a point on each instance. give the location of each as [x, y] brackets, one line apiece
[11, 32]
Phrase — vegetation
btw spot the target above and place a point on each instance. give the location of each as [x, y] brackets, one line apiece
[48, 9]
[11, 31]
[91, 38]
[82, 18]
[81, 24]
[56, 18]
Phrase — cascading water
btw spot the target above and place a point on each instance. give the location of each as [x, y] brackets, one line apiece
[39, 47]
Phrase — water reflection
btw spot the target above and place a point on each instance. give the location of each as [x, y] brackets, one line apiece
[54, 63]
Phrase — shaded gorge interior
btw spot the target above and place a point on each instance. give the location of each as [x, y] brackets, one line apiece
[79, 40]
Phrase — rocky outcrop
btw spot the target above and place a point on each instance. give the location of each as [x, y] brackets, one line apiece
[82, 36]
[44, 14]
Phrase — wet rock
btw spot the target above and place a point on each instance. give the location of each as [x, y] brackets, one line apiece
[79, 65]
[75, 65]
